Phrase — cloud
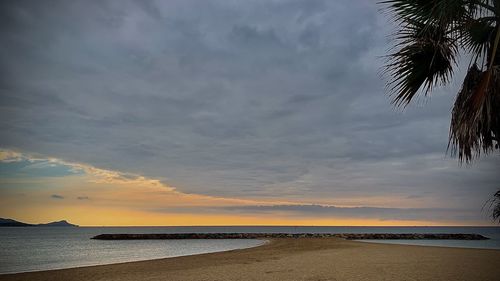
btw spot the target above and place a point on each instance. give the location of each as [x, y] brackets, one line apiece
[56, 196]
[421, 214]
[314, 211]
[254, 99]
[8, 156]
[150, 198]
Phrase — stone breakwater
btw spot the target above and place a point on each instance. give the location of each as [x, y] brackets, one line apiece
[349, 236]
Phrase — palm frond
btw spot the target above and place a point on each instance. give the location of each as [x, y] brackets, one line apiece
[475, 128]
[493, 206]
[477, 36]
[429, 11]
[426, 57]
[496, 208]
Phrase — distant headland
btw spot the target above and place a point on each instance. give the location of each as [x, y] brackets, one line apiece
[14, 223]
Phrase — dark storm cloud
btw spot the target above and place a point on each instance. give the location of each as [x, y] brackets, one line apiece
[247, 98]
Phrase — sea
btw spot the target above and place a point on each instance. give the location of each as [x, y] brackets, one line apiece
[24, 249]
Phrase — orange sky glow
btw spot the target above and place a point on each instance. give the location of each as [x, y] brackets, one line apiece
[98, 197]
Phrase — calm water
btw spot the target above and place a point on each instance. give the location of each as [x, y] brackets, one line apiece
[30, 249]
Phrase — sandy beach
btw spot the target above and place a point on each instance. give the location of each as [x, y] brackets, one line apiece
[299, 259]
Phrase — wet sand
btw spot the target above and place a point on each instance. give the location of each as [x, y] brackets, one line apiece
[299, 259]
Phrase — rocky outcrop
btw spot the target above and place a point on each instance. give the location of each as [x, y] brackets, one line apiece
[349, 236]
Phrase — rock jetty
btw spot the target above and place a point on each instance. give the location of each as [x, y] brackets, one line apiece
[349, 236]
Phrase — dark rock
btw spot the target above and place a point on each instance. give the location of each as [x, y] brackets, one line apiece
[349, 236]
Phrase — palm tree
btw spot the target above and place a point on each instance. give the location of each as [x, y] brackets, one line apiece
[430, 37]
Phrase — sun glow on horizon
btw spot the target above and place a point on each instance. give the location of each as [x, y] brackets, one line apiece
[38, 189]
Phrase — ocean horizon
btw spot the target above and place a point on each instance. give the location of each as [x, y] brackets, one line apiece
[25, 249]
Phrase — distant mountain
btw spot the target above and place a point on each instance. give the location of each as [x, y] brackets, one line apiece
[11, 222]
[57, 223]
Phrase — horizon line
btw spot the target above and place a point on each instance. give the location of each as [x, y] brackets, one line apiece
[268, 225]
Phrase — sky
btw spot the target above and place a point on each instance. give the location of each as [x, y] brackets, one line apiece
[221, 113]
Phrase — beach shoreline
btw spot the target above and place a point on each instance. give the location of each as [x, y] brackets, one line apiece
[299, 259]
[262, 242]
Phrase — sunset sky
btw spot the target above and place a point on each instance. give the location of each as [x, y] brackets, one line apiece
[221, 113]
